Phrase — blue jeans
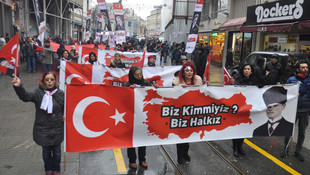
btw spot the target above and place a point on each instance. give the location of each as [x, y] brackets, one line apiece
[31, 61]
[52, 158]
[47, 68]
[165, 57]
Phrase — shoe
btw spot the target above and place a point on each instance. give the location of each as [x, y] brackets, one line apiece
[48, 173]
[143, 164]
[284, 154]
[133, 165]
[236, 153]
[241, 151]
[181, 160]
[187, 158]
[56, 173]
[299, 156]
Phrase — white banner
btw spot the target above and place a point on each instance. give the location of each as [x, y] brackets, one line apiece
[148, 116]
[73, 73]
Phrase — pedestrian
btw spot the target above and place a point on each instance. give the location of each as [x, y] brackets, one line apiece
[303, 109]
[260, 72]
[30, 51]
[48, 129]
[187, 76]
[273, 70]
[92, 59]
[117, 61]
[73, 54]
[136, 80]
[246, 77]
[165, 51]
[201, 61]
[65, 57]
[229, 59]
[195, 55]
[46, 56]
[60, 50]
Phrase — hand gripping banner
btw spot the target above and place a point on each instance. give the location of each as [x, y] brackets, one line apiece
[100, 117]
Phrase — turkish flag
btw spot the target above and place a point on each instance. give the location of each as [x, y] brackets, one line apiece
[206, 75]
[98, 117]
[227, 77]
[10, 57]
[85, 53]
[78, 74]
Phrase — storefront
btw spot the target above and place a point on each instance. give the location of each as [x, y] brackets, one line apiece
[283, 25]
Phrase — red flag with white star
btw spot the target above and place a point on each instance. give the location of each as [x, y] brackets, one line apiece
[10, 57]
[98, 118]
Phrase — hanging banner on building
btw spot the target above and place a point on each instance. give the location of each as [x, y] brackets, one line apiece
[193, 32]
[119, 33]
[104, 56]
[88, 20]
[104, 11]
[40, 19]
[73, 73]
[98, 28]
[120, 117]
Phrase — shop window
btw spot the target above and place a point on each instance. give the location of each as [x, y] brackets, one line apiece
[280, 43]
[241, 46]
[217, 44]
[217, 7]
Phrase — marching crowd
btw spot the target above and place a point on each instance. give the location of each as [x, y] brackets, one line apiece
[49, 99]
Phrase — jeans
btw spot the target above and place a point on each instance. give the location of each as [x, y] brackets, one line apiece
[165, 57]
[47, 68]
[303, 118]
[131, 152]
[31, 62]
[52, 158]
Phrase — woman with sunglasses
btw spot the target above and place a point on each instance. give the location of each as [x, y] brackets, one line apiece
[48, 129]
[186, 77]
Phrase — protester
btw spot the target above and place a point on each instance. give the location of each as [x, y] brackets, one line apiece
[117, 61]
[246, 77]
[151, 61]
[46, 57]
[274, 70]
[30, 51]
[201, 61]
[60, 50]
[195, 55]
[165, 51]
[74, 56]
[136, 80]
[229, 59]
[48, 130]
[65, 57]
[259, 71]
[92, 59]
[187, 76]
[303, 109]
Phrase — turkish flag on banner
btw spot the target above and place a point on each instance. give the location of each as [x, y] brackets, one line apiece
[206, 75]
[78, 74]
[227, 77]
[98, 118]
[10, 57]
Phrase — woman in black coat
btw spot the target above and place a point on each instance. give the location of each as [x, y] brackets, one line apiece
[48, 129]
[245, 77]
[136, 80]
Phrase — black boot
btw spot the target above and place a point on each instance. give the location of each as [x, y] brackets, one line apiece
[241, 151]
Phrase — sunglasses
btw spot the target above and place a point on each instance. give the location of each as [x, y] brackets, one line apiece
[47, 79]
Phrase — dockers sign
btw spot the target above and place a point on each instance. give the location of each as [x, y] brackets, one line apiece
[289, 10]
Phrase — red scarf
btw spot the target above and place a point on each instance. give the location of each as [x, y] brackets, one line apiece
[302, 75]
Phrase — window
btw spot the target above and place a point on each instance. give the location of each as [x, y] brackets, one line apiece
[218, 6]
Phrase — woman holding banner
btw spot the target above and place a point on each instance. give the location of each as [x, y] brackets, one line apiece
[246, 77]
[92, 59]
[136, 80]
[186, 77]
[117, 61]
[48, 129]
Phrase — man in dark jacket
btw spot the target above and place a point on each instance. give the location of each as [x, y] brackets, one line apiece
[30, 51]
[229, 59]
[195, 55]
[274, 70]
[303, 109]
[165, 51]
[201, 62]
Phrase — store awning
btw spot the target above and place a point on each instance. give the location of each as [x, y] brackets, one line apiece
[279, 27]
[232, 24]
[304, 25]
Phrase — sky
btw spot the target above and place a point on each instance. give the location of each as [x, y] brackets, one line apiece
[141, 8]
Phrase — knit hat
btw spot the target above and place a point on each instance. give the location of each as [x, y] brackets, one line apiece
[151, 56]
[276, 94]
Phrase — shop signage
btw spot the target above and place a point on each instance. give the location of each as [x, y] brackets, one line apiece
[288, 10]
[291, 39]
[214, 34]
[282, 40]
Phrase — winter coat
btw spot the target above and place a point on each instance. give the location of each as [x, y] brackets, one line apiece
[275, 73]
[48, 58]
[30, 49]
[48, 129]
[242, 80]
[201, 63]
[115, 64]
[304, 92]
[74, 56]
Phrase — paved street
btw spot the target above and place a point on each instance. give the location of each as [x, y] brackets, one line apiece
[20, 155]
